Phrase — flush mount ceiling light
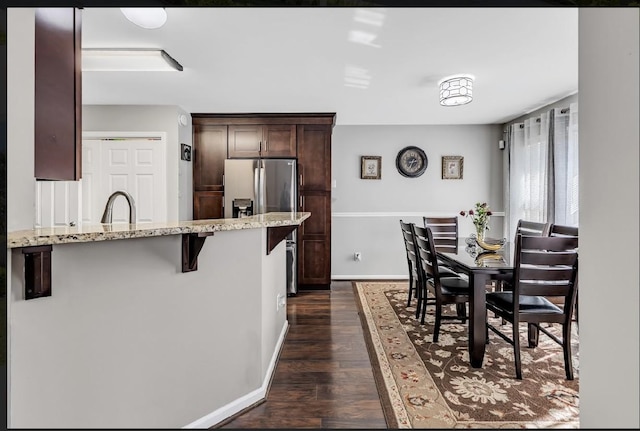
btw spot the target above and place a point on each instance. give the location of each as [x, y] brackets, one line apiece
[146, 17]
[128, 60]
[456, 90]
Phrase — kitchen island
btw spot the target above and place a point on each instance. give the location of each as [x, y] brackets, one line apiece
[128, 338]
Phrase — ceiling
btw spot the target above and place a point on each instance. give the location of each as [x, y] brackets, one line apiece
[370, 66]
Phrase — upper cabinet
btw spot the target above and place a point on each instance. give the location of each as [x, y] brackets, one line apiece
[58, 94]
[314, 157]
[209, 153]
[257, 140]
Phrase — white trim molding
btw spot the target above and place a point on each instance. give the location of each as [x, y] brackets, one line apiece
[401, 214]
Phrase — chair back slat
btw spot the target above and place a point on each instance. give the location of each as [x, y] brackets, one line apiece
[539, 289]
[446, 245]
[547, 243]
[546, 273]
[542, 257]
[532, 228]
[562, 230]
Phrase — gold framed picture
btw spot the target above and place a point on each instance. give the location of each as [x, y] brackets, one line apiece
[371, 167]
[452, 167]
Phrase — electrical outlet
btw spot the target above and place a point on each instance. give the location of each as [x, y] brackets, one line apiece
[357, 256]
[280, 301]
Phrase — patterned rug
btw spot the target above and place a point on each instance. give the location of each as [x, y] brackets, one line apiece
[432, 385]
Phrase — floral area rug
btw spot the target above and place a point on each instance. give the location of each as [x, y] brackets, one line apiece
[432, 385]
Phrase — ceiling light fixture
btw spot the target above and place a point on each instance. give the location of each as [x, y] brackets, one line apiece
[146, 17]
[128, 60]
[456, 90]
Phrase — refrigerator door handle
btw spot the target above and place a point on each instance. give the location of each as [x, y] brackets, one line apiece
[259, 188]
[256, 188]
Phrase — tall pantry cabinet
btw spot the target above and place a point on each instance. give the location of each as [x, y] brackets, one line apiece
[306, 137]
[314, 190]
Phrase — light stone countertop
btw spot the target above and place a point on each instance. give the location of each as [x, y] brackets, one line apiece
[105, 232]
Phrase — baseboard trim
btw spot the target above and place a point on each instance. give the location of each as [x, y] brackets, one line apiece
[370, 277]
[245, 401]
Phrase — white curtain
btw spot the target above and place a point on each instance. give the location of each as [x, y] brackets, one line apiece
[543, 169]
[566, 166]
[528, 173]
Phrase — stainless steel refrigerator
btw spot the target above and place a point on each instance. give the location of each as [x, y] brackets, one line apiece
[257, 186]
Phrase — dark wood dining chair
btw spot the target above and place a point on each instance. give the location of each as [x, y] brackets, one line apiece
[446, 290]
[445, 235]
[564, 231]
[544, 266]
[444, 272]
[527, 228]
[407, 236]
[444, 231]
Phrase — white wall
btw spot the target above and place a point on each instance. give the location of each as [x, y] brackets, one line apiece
[609, 224]
[20, 118]
[136, 343]
[185, 171]
[366, 213]
[137, 118]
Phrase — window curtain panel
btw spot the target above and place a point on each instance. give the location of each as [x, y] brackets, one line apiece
[528, 171]
[565, 149]
[542, 162]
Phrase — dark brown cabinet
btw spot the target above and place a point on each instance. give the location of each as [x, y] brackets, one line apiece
[314, 172]
[306, 137]
[58, 94]
[209, 153]
[314, 240]
[314, 157]
[208, 205]
[268, 141]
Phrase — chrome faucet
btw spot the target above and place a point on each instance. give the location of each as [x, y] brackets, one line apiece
[107, 216]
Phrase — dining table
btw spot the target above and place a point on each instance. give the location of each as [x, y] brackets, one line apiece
[482, 267]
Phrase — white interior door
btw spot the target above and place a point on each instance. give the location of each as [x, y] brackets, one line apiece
[129, 162]
[58, 203]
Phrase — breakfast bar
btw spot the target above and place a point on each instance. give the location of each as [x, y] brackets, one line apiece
[36, 243]
[128, 338]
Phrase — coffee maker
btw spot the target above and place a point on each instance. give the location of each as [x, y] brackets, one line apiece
[242, 208]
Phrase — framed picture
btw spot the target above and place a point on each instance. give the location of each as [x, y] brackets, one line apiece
[185, 152]
[371, 166]
[452, 167]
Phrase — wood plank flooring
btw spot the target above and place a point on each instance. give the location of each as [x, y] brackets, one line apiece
[323, 378]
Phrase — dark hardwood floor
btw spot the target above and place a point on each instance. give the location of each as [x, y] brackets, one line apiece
[323, 378]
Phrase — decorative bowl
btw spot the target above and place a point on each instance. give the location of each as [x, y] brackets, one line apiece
[491, 244]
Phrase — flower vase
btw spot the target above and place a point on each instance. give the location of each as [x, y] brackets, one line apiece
[480, 230]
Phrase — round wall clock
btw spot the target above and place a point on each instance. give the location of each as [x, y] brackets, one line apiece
[411, 162]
